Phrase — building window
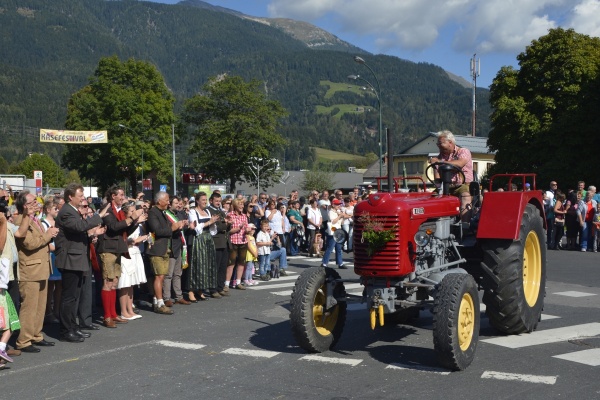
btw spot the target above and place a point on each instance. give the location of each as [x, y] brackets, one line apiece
[412, 168]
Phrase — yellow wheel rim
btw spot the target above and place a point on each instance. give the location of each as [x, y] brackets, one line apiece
[532, 268]
[466, 322]
[324, 324]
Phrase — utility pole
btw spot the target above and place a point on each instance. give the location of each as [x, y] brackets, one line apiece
[475, 72]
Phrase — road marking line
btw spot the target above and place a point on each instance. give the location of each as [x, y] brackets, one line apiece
[264, 284]
[504, 376]
[546, 336]
[181, 345]
[251, 353]
[546, 317]
[283, 293]
[269, 286]
[288, 284]
[573, 293]
[418, 368]
[83, 357]
[588, 357]
[333, 360]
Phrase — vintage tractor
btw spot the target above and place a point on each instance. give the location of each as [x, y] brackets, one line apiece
[412, 251]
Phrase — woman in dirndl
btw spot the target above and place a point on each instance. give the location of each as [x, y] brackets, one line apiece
[203, 264]
[9, 319]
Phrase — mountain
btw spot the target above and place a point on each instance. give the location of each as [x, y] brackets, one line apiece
[49, 49]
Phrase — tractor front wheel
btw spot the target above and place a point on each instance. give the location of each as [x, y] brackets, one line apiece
[456, 321]
[315, 327]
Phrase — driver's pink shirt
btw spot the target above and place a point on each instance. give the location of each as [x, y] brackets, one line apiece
[460, 153]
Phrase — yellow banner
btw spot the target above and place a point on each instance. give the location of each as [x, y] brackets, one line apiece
[73, 137]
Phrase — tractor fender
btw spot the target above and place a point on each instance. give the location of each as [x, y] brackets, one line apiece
[502, 212]
[438, 276]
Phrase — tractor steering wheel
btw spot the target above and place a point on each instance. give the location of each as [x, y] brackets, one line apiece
[454, 167]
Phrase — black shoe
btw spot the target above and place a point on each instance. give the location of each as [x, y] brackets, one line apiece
[84, 335]
[71, 337]
[43, 342]
[30, 349]
[282, 272]
[91, 327]
[342, 266]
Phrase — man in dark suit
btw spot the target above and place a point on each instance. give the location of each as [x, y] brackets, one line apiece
[73, 259]
[220, 239]
[162, 230]
[173, 278]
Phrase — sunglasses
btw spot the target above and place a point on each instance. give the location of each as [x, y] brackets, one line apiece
[84, 206]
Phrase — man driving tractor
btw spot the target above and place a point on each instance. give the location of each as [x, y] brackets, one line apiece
[459, 157]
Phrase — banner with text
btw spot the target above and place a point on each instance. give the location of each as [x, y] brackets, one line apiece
[73, 137]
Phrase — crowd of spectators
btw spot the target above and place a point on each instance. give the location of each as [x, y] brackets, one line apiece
[167, 251]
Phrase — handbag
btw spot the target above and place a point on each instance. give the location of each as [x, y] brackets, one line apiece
[559, 222]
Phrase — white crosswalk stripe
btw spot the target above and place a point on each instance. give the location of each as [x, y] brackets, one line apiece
[546, 336]
[589, 357]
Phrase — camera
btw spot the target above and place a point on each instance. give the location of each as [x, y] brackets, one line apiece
[3, 205]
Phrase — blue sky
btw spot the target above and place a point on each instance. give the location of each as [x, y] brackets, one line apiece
[442, 32]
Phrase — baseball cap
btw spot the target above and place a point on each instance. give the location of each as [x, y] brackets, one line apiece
[336, 202]
[527, 185]
[323, 203]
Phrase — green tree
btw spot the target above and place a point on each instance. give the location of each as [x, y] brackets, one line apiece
[317, 180]
[131, 101]
[3, 166]
[543, 119]
[233, 122]
[52, 175]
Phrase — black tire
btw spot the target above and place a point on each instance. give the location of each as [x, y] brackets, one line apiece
[313, 333]
[514, 276]
[456, 321]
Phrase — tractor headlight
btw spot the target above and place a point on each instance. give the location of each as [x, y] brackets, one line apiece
[421, 238]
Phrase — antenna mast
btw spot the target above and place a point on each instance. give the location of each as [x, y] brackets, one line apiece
[475, 72]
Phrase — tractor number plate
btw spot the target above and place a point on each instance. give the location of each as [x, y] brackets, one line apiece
[418, 211]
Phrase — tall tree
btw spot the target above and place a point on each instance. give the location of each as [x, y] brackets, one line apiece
[52, 175]
[131, 101]
[318, 180]
[543, 120]
[234, 123]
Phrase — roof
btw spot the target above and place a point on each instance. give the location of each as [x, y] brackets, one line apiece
[293, 180]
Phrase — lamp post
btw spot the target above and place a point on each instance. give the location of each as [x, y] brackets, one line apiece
[360, 60]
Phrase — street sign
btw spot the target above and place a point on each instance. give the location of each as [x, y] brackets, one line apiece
[37, 174]
[163, 188]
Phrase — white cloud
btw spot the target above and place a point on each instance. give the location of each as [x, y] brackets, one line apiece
[585, 18]
[475, 25]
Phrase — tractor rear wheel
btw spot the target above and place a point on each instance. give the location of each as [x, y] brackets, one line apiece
[456, 321]
[514, 276]
[316, 328]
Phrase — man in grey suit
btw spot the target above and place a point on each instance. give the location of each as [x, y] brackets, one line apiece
[73, 259]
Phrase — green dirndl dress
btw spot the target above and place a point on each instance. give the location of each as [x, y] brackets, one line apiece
[203, 262]
[9, 312]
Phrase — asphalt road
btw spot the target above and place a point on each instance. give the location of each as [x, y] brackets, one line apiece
[242, 347]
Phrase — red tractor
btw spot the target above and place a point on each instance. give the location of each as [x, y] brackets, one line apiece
[412, 251]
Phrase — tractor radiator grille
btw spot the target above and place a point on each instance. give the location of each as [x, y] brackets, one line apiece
[388, 256]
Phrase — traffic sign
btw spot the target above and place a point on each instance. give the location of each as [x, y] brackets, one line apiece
[163, 188]
[37, 174]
